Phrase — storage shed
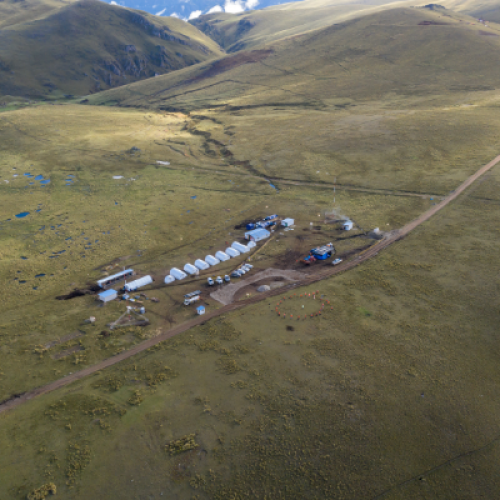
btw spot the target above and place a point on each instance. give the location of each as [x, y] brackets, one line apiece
[201, 264]
[232, 252]
[134, 285]
[257, 234]
[169, 279]
[287, 222]
[347, 225]
[108, 295]
[200, 310]
[222, 255]
[178, 274]
[241, 248]
[192, 270]
[213, 261]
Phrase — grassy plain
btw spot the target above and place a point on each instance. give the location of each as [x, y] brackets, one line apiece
[85, 224]
[391, 393]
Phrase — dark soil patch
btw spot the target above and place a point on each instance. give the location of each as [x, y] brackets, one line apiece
[77, 292]
[487, 33]
[290, 328]
[432, 23]
[231, 62]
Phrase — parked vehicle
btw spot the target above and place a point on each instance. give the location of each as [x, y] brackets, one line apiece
[210, 281]
[241, 270]
[219, 280]
[235, 274]
[336, 261]
[191, 300]
[249, 266]
[227, 279]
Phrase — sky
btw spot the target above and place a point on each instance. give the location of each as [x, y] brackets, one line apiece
[191, 9]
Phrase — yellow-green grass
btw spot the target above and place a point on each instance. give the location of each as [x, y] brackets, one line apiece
[147, 220]
[15, 12]
[252, 29]
[389, 54]
[90, 45]
[398, 382]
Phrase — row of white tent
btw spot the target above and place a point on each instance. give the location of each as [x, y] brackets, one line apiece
[234, 250]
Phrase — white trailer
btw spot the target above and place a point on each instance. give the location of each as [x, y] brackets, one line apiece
[240, 247]
[178, 274]
[134, 285]
[232, 252]
[192, 270]
[213, 261]
[222, 256]
[201, 264]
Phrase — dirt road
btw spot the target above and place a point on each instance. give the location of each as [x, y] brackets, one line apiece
[345, 266]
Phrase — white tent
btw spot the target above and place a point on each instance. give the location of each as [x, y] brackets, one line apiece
[178, 274]
[201, 264]
[169, 279]
[134, 285]
[190, 269]
[213, 261]
[251, 244]
[222, 256]
[232, 252]
[241, 248]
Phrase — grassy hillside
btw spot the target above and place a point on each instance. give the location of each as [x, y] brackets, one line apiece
[251, 29]
[90, 45]
[400, 52]
[243, 31]
[16, 11]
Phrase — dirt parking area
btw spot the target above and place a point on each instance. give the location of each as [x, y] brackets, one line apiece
[227, 294]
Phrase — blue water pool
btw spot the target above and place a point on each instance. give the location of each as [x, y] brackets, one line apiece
[22, 215]
[40, 275]
[39, 177]
[45, 181]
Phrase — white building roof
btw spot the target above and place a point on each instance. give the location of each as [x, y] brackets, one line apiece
[213, 261]
[134, 285]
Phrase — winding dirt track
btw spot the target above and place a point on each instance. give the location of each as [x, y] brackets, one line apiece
[371, 252]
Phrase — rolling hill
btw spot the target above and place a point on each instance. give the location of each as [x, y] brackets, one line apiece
[251, 29]
[16, 11]
[89, 46]
[400, 52]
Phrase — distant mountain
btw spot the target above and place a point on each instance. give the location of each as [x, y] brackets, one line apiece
[190, 9]
[235, 32]
[88, 46]
[410, 51]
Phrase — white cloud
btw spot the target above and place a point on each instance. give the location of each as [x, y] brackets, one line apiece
[194, 14]
[217, 8]
[175, 15]
[234, 7]
[237, 6]
[161, 12]
[113, 2]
